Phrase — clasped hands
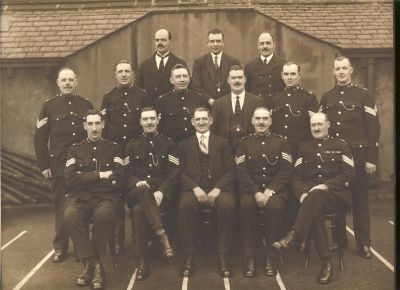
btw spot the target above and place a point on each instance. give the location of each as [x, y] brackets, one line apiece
[262, 198]
[158, 195]
[206, 198]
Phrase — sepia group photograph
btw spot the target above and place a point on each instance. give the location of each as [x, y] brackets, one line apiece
[198, 144]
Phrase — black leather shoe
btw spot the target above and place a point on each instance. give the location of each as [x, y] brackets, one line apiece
[224, 268]
[270, 269]
[286, 242]
[98, 278]
[59, 256]
[250, 270]
[365, 252]
[85, 278]
[167, 250]
[142, 269]
[326, 273]
[187, 269]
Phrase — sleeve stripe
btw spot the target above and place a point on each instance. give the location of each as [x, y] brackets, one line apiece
[299, 161]
[126, 160]
[41, 122]
[173, 159]
[371, 111]
[70, 162]
[287, 157]
[240, 159]
[119, 160]
[103, 112]
[348, 160]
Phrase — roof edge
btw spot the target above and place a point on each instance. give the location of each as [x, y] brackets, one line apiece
[31, 62]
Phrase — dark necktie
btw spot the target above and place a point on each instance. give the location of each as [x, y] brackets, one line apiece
[265, 60]
[162, 65]
[237, 106]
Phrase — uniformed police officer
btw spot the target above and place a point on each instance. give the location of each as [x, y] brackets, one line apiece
[94, 172]
[263, 74]
[121, 111]
[152, 174]
[60, 122]
[292, 109]
[176, 107]
[264, 167]
[323, 172]
[354, 117]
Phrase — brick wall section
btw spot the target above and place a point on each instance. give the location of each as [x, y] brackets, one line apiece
[56, 32]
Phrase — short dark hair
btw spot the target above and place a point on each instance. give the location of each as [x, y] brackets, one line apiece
[178, 66]
[270, 34]
[215, 31]
[341, 57]
[123, 61]
[92, 112]
[202, 109]
[146, 109]
[291, 63]
[235, 67]
[169, 33]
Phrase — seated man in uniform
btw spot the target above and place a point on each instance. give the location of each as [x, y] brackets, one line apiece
[152, 168]
[94, 173]
[264, 168]
[323, 172]
[206, 181]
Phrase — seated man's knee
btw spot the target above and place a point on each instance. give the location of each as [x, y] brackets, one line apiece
[276, 205]
[71, 214]
[137, 210]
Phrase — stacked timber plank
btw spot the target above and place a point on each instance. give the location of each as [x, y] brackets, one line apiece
[21, 181]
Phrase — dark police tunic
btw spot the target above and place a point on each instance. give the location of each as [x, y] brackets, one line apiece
[92, 198]
[263, 162]
[176, 112]
[327, 161]
[264, 80]
[121, 108]
[291, 111]
[60, 122]
[152, 158]
[354, 117]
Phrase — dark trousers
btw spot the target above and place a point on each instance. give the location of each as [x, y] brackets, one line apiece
[146, 218]
[120, 221]
[189, 219]
[274, 216]
[77, 217]
[310, 218]
[59, 189]
[361, 218]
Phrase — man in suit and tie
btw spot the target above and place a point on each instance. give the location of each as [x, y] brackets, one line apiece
[154, 73]
[232, 113]
[210, 71]
[264, 73]
[206, 181]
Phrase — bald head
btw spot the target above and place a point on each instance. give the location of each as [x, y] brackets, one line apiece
[162, 41]
[67, 81]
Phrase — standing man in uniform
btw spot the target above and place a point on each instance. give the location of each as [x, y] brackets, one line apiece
[176, 107]
[354, 117]
[95, 174]
[121, 109]
[232, 113]
[60, 125]
[264, 73]
[207, 180]
[264, 168]
[323, 172]
[154, 73]
[210, 71]
[152, 174]
[291, 110]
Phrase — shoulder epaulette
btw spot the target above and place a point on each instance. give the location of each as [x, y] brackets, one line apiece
[51, 99]
[79, 143]
[195, 92]
[82, 98]
[140, 89]
[307, 91]
[165, 137]
[361, 88]
[163, 95]
[109, 91]
[277, 135]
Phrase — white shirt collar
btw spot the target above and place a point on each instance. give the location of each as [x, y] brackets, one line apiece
[158, 59]
[207, 134]
[218, 59]
[241, 99]
[268, 57]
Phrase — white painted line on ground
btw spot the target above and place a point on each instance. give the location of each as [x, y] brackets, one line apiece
[279, 280]
[132, 281]
[185, 283]
[391, 222]
[13, 240]
[226, 284]
[33, 271]
[379, 256]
